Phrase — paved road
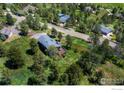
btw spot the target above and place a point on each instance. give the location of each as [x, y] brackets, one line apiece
[70, 32]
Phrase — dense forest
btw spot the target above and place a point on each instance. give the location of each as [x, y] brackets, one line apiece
[22, 61]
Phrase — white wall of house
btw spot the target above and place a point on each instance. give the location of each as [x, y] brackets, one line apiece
[62, 24]
[108, 36]
[10, 35]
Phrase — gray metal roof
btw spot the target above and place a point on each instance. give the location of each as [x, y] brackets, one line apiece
[105, 30]
[46, 41]
[6, 31]
[63, 18]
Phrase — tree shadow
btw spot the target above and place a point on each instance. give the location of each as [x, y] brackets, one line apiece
[9, 64]
[29, 52]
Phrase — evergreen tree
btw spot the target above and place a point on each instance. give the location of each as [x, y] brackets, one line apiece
[53, 32]
[2, 50]
[38, 69]
[15, 58]
[24, 28]
[34, 46]
[36, 23]
[68, 41]
[53, 75]
[9, 19]
[75, 74]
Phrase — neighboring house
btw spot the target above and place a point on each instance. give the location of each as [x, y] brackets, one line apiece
[8, 33]
[119, 16]
[20, 13]
[106, 31]
[63, 19]
[28, 8]
[88, 9]
[8, 10]
[109, 12]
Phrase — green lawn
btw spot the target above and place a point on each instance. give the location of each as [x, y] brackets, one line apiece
[109, 5]
[20, 76]
[70, 58]
[80, 42]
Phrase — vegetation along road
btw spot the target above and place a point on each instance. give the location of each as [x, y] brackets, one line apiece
[70, 32]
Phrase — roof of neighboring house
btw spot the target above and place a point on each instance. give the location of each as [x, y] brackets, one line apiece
[15, 31]
[29, 7]
[20, 12]
[46, 41]
[60, 15]
[88, 9]
[63, 18]
[6, 32]
[105, 30]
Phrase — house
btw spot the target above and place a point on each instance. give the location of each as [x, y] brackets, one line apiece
[20, 13]
[63, 18]
[29, 8]
[7, 32]
[106, 31]
[46, 41]
[109, 12]
[119, 16]
[88, 9]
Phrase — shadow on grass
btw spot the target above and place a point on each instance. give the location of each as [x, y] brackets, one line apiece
[29, 52]
[9, 64]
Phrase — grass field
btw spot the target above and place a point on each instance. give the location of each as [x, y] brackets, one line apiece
[70, 58]
[109, 5]
[112, 72]
[80, 42]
